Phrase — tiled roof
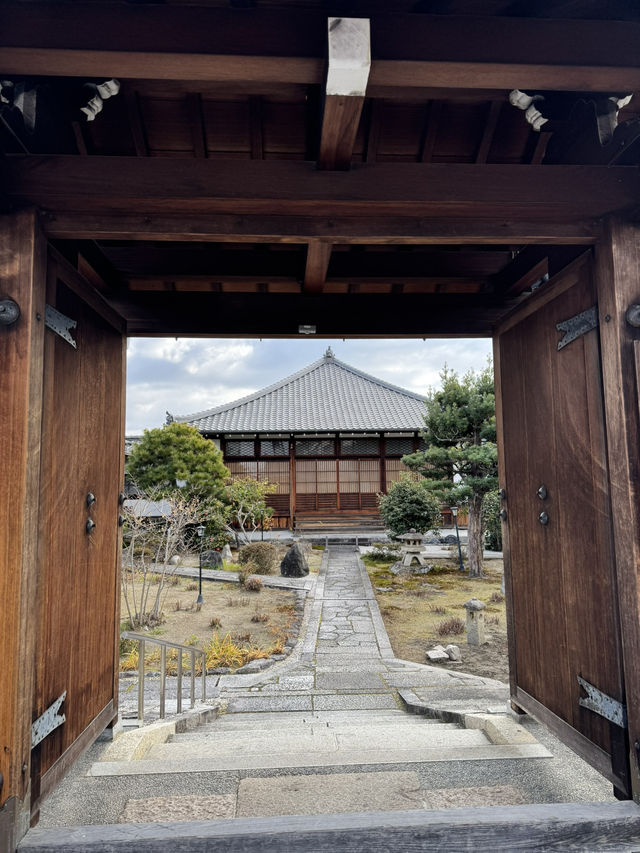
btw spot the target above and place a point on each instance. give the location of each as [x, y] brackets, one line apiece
[326, 396]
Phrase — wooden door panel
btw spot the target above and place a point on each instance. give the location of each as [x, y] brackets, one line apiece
[562, 591]
[82, 441]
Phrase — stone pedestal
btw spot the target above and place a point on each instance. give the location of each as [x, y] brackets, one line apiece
[475, 622]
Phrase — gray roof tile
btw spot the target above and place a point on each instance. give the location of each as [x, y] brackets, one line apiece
[328, 395]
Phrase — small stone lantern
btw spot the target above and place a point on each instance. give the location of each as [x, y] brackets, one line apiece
[412, 549]
[475, 622]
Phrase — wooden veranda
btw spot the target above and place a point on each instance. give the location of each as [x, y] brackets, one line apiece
[227, 168]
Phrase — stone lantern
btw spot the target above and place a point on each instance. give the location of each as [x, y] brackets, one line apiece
[412, 549]
[475, 622]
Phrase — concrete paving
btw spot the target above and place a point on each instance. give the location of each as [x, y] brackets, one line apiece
[332, 713]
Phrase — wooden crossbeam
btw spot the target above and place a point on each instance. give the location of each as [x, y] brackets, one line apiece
[262, 45]
[318, 257]
[226, 314]
[347, 76]
[63, 224]
[438, 191]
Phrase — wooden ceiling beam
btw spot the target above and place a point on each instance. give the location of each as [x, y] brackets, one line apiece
[531, 266]
[294, 229]
[347, 76]
[152, 185]
[274, 315]
[84, 39]
[315, 273]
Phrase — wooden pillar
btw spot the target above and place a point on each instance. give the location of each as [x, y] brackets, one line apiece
[618, 287]
[22, 279]
[292, 482]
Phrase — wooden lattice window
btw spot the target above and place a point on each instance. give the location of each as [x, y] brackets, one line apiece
[315, 447]
[394, 469]
[239, 448]
[274, 447]
[398, 446]
[359, 446]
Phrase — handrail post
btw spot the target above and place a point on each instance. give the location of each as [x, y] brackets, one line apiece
[204, 677]
[179, 684]
[193, 678]
[141, 680]
[163, 677]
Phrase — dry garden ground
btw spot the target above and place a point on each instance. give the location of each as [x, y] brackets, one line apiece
[234, 624]
[420, 611]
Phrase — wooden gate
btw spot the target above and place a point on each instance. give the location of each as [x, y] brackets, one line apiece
[78, 553]
[560, 563]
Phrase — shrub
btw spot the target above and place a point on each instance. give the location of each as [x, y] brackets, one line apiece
[496, 598]
[384, 551]
[409, 504]
[450, 626]
[260, 617]
[263, 557]
[253, 584]
[191, 587]
[215, 622]
[492, 524]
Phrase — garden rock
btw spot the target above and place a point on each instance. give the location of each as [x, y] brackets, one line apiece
[212, 558]
[448, 540]
[437, 654]
[453, 652]
[226, 553]
[254, 666]
[175, 560]
[294, 564]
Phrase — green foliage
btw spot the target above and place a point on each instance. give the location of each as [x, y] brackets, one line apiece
[407, 504]
[262, 555]
[176, 454]
[492, 524]
[460, 433]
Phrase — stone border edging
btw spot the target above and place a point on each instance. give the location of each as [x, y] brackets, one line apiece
[134, 745]
[500, 729]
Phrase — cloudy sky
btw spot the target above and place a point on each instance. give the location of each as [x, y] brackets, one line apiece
[188, 375]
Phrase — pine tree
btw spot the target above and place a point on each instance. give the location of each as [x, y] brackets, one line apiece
[177, 456]
[460, 463]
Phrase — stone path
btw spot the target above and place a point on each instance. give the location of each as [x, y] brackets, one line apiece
[345, 660]
[327, 730]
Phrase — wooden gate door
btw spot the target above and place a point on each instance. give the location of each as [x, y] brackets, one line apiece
[78, 555]
[559, 556]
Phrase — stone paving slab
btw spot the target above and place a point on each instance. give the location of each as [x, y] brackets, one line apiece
[357, 702]
[162, 809]
[335, 793]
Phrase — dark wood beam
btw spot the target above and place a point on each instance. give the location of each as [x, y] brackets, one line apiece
[136, 124]
[196, 123]
[280, 315]
[150, 186]
[287, 228]
[258, 45]
[347, 76]
[315, 273]
[531, 265]
[493, 114]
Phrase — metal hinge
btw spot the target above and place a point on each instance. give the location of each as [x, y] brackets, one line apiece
[576, 326]
[605, 706]
[48, 722]
[60, 324]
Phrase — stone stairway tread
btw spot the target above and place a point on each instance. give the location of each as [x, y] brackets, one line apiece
[204, 763]
[320, 737]
[249, 730]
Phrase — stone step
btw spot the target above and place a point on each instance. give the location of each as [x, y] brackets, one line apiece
[319, 739]
[397, 734]
[201, 762]
[302, 718]
[247, 729]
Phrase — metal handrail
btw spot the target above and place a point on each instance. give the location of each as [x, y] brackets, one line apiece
[142, 640]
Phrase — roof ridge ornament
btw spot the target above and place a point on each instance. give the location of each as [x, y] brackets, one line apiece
[329, 353]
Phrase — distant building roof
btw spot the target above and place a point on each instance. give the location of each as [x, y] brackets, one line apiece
[326, 396]
[142, 508]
